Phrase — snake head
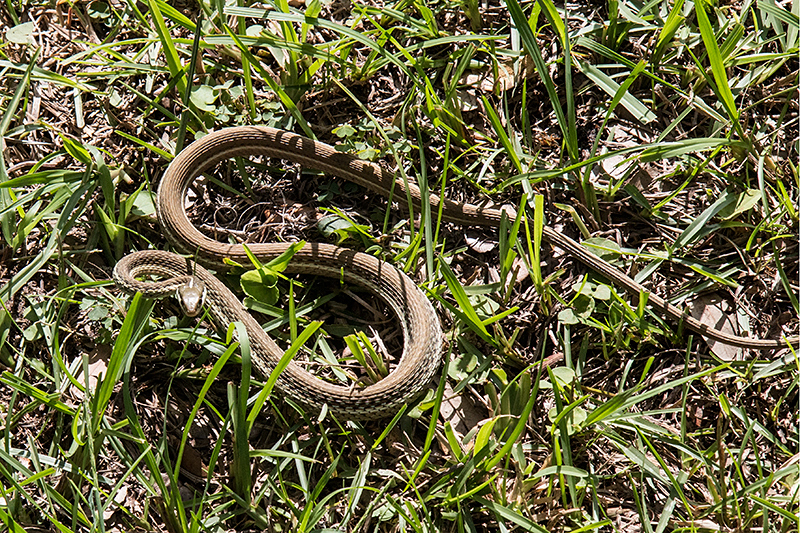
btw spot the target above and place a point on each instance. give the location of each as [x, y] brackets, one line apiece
[191, 296]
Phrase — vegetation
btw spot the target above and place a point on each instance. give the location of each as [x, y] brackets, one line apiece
[663, 134]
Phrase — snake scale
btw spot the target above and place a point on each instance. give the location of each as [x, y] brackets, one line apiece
[420, 325]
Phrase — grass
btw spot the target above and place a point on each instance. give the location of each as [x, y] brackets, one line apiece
[663, 134]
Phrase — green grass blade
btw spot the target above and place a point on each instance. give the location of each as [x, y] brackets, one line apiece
[536, 245]
[519, 427]
[717, 65]
[502, 135]
[130, 331]
[302, 338]
[187, 95]
[665, 36]
[700, 226]
[571, 139]
[286, 100]
[7, 217]
[150, 146]
[510, 515]
[532, 47]
[640, 111]
[168, 46]
[464, 304]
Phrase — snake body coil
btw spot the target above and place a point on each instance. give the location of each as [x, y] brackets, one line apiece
[420, 325]
[423, 336]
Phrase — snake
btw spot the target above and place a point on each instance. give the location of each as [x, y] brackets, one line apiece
[421, 328]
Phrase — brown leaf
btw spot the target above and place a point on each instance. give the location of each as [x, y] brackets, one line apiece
[480, 243]
[461, 411]
[509, 74]
[97, 367]
[716, 312]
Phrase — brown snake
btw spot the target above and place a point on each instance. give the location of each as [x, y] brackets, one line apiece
[420, 324]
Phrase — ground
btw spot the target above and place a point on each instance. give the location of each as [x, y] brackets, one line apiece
[664, 136]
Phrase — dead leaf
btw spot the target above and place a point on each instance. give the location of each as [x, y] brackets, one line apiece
[617, 165]
[509, 74]
[119, 499]
[97, 367]
[480, 243]
[461, 411]
[716, 312]
[192, 465]
[468, 101]
[520, 270]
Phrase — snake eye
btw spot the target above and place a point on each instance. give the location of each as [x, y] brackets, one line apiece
[191, 296]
